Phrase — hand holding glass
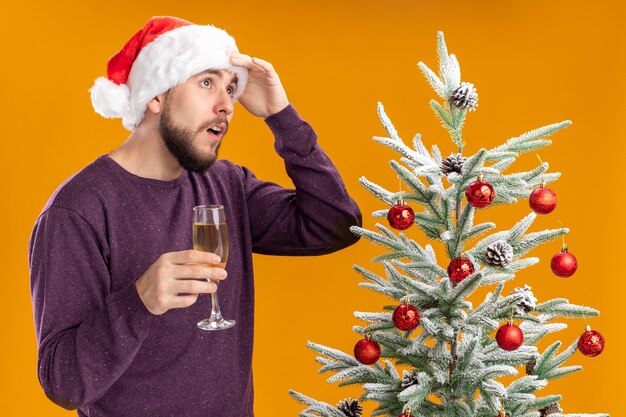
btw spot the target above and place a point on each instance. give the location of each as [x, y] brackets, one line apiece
[210, 234]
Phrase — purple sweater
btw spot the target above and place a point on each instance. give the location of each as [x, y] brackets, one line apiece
[100, 350]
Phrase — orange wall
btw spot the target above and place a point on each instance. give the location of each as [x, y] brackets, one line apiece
[533, 63]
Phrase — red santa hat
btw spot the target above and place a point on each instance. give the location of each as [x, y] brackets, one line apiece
[162, 55]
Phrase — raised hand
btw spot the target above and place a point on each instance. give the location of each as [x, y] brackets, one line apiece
[264, 94]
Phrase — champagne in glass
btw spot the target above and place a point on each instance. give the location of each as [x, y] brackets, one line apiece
[210, 234]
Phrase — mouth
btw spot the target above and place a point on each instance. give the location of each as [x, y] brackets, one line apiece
[217, 131]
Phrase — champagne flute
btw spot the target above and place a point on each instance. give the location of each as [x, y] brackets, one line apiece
[210, 234]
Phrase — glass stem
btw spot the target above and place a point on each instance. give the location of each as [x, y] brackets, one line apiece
[215, 308]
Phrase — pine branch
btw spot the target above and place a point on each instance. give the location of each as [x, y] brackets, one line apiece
[537, 403]
[425, 291]
[384, 119]
[503, 164]
[370, 276]
[547, 305]
[443, 114]
[526, 385]
[458, 409]
[428, 266]
[461, 291]
[315, 408]
[449, 71]
[462, 227]
[385, 290]
[534, 332]
[493, 355]
[377, 238]
[417, 160]
[531, 140]
[517, 232]
[561, 372]
[478, 229]
[372, 317]
[381, 321]
[544, 362]
[378, 191]
[505, 158]
[497, 371]
[433, 80]
[495, 309]
[452, 122]
[566, 310]
[422, 194]
[419, 273]
[336, 354]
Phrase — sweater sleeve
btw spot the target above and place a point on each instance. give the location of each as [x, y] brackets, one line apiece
[87, 336]
[314, 218]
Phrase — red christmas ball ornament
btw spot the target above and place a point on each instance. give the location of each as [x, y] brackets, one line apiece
[564, 264]
[367, 351]
[400, 216]
[542, 200]
[509, 337]
[480, 193]
[406, 317]
[591, 343]
[406, 413]
[459, 269]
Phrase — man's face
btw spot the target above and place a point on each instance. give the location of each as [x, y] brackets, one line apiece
[195, 117]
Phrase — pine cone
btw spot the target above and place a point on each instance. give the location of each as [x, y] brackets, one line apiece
[530, 367]
[465, 97]
[528, 303]
[551, 409]
[453, 163]
[350, 407]
[409, 378]
[499, 253]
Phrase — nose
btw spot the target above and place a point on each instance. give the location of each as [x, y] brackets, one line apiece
[223, 104]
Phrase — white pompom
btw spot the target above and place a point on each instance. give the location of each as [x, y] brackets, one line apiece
[110, 100]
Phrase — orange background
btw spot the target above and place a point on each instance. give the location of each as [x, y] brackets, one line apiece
[533, 63]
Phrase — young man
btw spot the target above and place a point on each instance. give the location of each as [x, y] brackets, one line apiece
[116, 289]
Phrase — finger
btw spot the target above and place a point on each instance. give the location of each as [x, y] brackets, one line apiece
[195, 287]
[199, 272]
[267, 67]
[242, 60]
[246, 62]
[239, 55]
[192, 256]
[183, 301]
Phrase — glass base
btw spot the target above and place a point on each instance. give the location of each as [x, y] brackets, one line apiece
[215, 324]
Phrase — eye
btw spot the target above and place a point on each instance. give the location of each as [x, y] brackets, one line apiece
[206, 82]
[230, 91]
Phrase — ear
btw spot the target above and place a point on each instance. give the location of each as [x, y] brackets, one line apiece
[156, 104]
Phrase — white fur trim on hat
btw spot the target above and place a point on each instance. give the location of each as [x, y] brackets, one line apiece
[110, 100]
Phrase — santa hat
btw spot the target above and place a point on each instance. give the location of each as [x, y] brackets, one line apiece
[162, 55]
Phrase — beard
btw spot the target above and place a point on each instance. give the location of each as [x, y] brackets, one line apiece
[179, 141]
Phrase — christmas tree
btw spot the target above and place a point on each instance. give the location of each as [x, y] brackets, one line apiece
[451, 361]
